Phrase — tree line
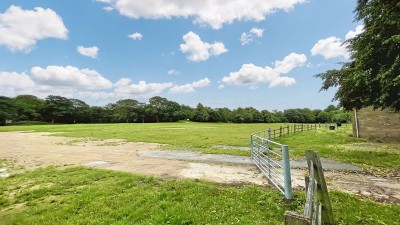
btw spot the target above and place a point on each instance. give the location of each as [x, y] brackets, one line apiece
[58, 109]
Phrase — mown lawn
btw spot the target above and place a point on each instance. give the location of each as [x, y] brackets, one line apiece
[80, 195]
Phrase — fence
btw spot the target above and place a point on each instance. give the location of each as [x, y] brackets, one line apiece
[318, 208]
[291, 129]
[272, 159]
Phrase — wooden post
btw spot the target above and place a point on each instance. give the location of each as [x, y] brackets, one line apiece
[318, 209]
[322, 193]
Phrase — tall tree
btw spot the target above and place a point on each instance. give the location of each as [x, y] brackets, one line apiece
[28, 107]
[80, 111]
[125, 110]
[372, 76]
[57, 109]
[7, 110]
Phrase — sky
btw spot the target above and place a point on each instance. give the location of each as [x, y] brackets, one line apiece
[221, 53]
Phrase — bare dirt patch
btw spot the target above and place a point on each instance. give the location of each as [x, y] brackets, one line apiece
[32, 150]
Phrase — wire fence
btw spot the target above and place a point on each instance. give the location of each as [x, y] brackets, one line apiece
[290, 129]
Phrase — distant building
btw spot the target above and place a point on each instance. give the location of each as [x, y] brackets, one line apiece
[376, 124]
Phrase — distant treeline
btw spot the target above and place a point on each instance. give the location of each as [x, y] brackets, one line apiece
[58, 109]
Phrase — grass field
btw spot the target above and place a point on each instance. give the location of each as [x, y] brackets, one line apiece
[80, 195]
[377, 158]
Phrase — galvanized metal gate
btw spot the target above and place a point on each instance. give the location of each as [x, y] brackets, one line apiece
[272, 159]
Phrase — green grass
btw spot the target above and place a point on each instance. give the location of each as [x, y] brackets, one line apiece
[80, 195]
[379, 158]
[179, 136]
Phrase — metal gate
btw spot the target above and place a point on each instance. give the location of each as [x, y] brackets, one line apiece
[272, 159]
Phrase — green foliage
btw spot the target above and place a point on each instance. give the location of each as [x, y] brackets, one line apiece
[80, 195]
[28, 107]
[57, 109]
[63, 110]
[372, 77]
[7, 110]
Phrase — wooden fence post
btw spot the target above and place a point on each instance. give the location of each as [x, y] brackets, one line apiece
[318, 209]
[323, 197]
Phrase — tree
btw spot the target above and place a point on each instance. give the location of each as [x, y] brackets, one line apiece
[124, 110]
[80, 111]
[57, 109]
[200, 114]
[372, 76]
[28, 107]
[7, 110]
[157, 107]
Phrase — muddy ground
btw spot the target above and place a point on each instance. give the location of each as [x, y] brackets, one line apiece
[32, 150]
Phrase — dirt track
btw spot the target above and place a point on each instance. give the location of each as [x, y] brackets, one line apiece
[32, 150]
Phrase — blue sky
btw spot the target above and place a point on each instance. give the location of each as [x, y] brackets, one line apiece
[232, 53]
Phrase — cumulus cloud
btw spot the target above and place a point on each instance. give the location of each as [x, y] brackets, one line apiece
[330, 47]
[207, 12]
[13, 83]
[252, 75]
[173, 72]
[351, 34]
[124, 87]
[198, 50]
[89, 52]
[72, 82]
[69, 76]
[136, 36]
[333, 47]
[187, 88]
[20, 29]
[254, 33]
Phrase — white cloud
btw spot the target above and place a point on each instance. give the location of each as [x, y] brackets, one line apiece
[333, 47]
[173, 72]
[124, 87]
[69, 76]
[89, 52]
[221, 86]
[199, 50]
[330, 47]
[21, 29]
[108, 8]
[136, 36]
[351, 34]
[72, 82]
[254, 33]
[187, 88]
[207, 12]
[12, 83]
[257, 31]
[245, 38]
[252, 75]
